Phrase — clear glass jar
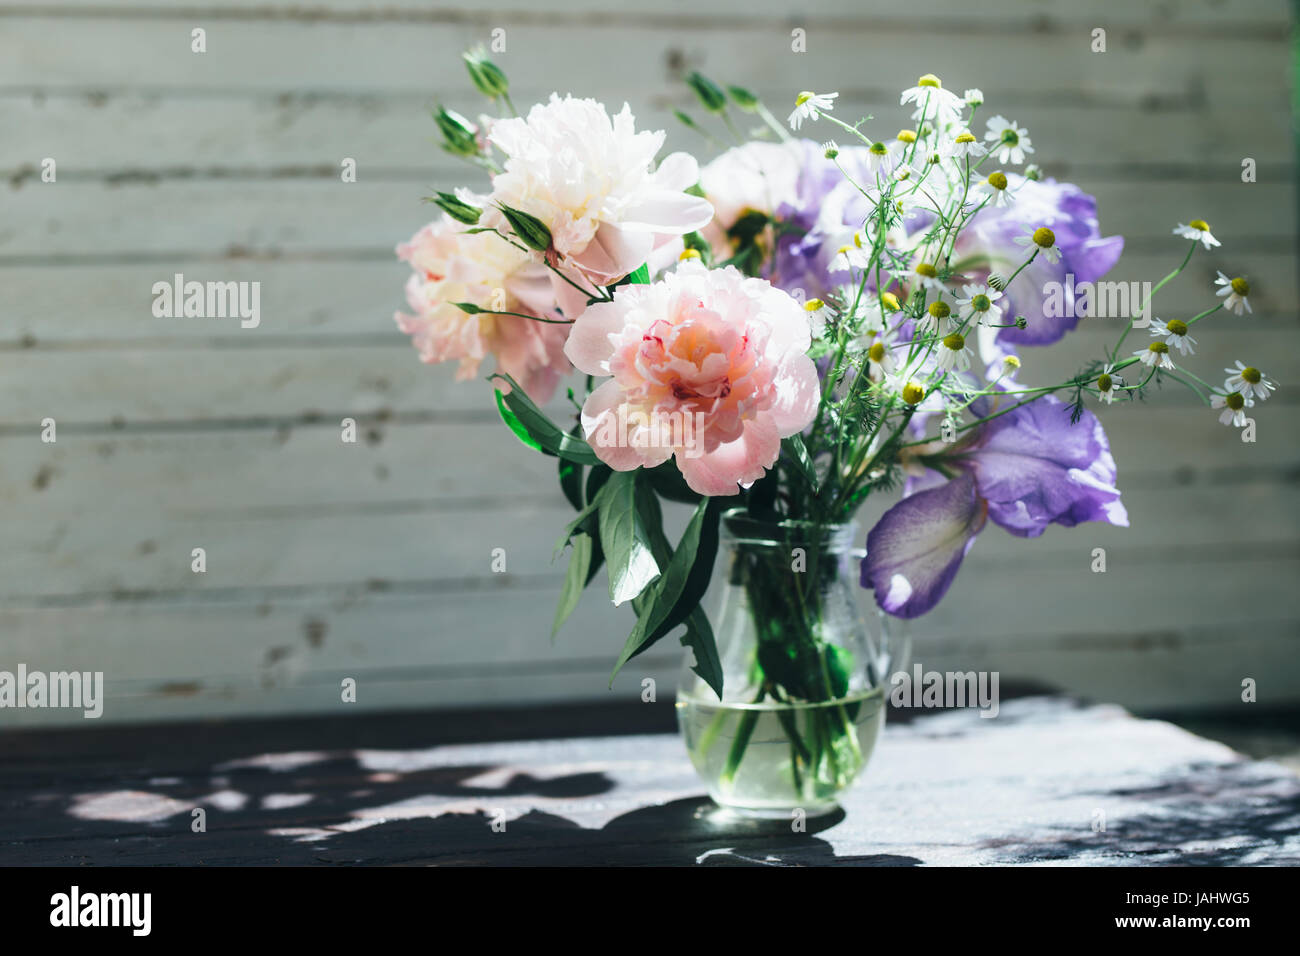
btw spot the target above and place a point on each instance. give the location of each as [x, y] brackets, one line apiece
[804, 670]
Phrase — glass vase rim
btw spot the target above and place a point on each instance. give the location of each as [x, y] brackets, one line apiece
[740, 527]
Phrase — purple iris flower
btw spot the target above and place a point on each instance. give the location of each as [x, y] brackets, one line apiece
[1071, 214]
[1025, 469]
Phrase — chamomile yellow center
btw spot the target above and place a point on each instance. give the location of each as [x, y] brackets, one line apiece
[1177, 327]
[877, 352]
[803, 97]
[1044, 238]
[955, 342]
[1010, 137]
[1104, 382]
[1251, 374]
[1200, 224]
[966, 137]
[1160, 348]
[889, 301]
[1240, 286]
[1235, 401]
[878, 149]
[813, 305]
[907, 136]
[926, 270]
[913, 393]
[689, 254]
[929, 80]
[981, 303]
[940, 310]
[998, 180]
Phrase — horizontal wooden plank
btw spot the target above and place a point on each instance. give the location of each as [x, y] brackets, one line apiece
[281, 385]
[176, 220]
[349, 304]
[1003, 15]
[124, 136]
[375, 56]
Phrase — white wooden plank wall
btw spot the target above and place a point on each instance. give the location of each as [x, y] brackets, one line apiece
[371, 561]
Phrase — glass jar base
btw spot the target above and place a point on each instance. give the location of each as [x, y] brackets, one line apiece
[775, 813]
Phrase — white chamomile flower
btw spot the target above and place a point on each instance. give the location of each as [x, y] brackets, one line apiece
[995, 190]
[851, 255]
[974, 98]
[902, 147]
[965, 146]
[809, 105]
[875, 310]
[1156, 355]
[1109, 384]
[933, 100]
[817, 313]
[877, 155]
[979, 302]
[1248, 380]
[1174, 332]
[1234, 406]
[1236, 291]
[880, 355]
[1198, 230]
[1042, 239]
[928, 277]
[1010, 142]
[936, 320]
[953, 353]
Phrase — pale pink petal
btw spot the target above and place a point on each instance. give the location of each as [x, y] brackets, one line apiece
[798, 391]
[591, 341]
[741, 462]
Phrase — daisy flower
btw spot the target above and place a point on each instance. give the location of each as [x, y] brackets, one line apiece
[1043, 240]
[974, 98]
[874, 311]
[936, 319]
[953, 353]
[1236, 291]
[928, 276]
[979, 302]
[1248, 380]
[851, 255]
[1108, 385]
[1155, 355]
[816, 310]
[1234, 406]
[930, 97]
[1198, 230]
[808, 105]
[877, 154]
[880, 359]
[964, 145]
[1174, 332]
[994, 189]
[1011, 142]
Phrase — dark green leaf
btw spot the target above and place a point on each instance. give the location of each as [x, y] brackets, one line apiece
[710, 94]
[668, 483]
[575, 579]
[544, 433]
[571, 482]
[699, 638]
[515, 425]
[798, 452]
[664, 594]
[640, 275]
[624, 538]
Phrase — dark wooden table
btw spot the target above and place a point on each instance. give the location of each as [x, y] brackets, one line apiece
[1049, 781]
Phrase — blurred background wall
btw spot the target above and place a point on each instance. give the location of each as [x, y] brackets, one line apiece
[372, 560]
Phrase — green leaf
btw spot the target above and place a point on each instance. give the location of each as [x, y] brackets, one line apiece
[625, 538]
[530, 230]
[709, 93]
[697, 582]
[664, 594]
[514, 424]
[668, 483]
[798, 452]
[469, 308]
[571, 482]
[575, 580]
[640, 275]
[699, 638]
[543, 434]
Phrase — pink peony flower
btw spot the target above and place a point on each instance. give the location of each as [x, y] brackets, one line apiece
[451, 265]
[708, 366]
[588, 177]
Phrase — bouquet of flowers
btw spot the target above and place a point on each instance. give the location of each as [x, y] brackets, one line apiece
[771, 338]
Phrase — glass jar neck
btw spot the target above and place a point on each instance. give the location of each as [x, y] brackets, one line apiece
[742, 531]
